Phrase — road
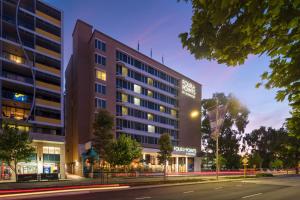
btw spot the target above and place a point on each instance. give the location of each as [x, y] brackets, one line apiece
[264, 188]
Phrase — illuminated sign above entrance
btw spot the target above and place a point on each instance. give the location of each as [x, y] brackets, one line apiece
[188, 89]
[185, 150]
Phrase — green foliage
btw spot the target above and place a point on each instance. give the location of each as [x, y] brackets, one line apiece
[277, 164]
[165, 150]
[103, 136]
[264, 175]
[124, 151]
[14, 146]
[273, 145]
[229, 31]
[236, 120]
[255, 160]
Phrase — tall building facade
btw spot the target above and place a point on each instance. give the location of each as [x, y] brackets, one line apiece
[31, 84]
[146, 97]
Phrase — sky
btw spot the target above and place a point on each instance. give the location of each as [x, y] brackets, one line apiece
[156, 24]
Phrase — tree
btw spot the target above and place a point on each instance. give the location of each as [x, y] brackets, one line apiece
[124, 151]
[103, 136]
[15, 147]
[165, 151]
[229, 31]
[277, 164]
[235, 122]
[255, 160]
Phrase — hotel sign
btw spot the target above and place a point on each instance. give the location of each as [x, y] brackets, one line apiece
[185, 150]
[188, 88]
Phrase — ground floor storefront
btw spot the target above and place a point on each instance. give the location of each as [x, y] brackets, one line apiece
[48, 160]
[183, 159]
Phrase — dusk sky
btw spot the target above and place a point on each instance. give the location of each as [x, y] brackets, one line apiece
[157, 24]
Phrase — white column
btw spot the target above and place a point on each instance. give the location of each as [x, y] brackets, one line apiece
[176, 165]
[186, 164]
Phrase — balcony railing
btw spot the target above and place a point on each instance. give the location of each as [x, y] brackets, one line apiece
[47, 103]
[48, 86]
[48, 51]
[47, 17]
[47, 34]
[16, 77]
[47, 68]
[16, 59]
[47, 120]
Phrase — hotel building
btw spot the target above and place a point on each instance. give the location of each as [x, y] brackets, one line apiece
[31, 81]
[146, 97]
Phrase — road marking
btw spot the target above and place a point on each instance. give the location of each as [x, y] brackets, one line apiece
[219, 188]
[252, 195]
[143, 198]
[186, 192]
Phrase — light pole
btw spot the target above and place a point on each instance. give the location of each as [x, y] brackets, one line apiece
[217, 141]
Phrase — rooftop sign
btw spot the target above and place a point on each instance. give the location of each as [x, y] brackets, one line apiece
[188, 88]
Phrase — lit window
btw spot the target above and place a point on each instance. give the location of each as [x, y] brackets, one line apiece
[150, 93]
[136, 101]
[151, 128]
[173, 113]
[51, 150]
[124, 71]
[16, 59]
[162, 109]
[101, 75]
[124, 98]
[137, 88]
[124, 111]
[150, 81]
[150, 116]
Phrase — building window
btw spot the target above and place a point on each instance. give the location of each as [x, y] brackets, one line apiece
[100, 60]
[100, 103]
[173, 113]
[136, 101]
[150, 116]
[124, 98]
[124, 71]
[151, 128]
[124, 111]
[99, 88]
[137, 88]
[15, 113]
[16, 59]
[162, 109]
[150, 93]
[101, 75]
[100, 45]
[51, 150]
[150, 81]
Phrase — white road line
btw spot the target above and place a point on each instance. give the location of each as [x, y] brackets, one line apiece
[186, 192]
[219, 188]
[143, 198]
[252, 195]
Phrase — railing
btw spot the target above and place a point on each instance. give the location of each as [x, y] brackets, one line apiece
[47, 120]
[48, 51]
[48, 86]
[17, 77]
[47, 103]
[47, 17]
[47, 34]
[47, 68]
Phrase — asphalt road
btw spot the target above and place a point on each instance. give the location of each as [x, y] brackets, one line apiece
[267, 189]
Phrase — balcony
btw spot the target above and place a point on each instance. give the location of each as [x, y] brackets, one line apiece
[48, 18]
[47, 103]
[47, 68]
[16, 59]
[16, 77]
[47, 120]
[48, 86]
[47, 34]
[48, 51]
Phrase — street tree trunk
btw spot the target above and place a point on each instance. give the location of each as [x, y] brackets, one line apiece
[165, 170]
